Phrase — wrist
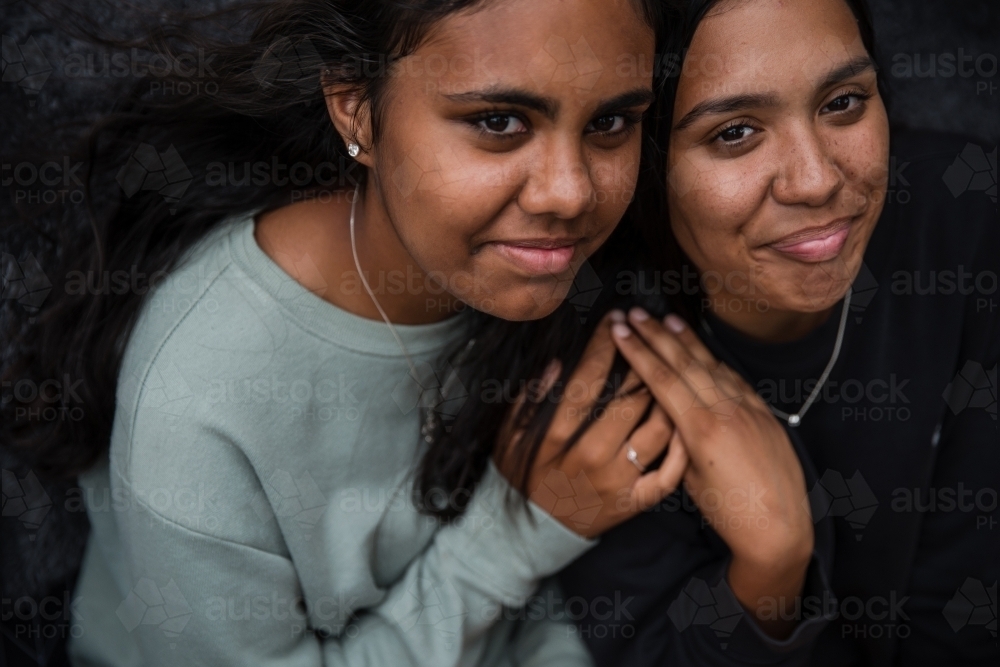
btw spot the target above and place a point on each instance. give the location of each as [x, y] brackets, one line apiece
[763, 586]
[783, 547]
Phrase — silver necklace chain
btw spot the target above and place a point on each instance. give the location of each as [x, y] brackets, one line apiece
[429, 425]
[794, 419]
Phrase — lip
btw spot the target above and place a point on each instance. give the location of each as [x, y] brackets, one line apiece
[819, 244]
[538, 256]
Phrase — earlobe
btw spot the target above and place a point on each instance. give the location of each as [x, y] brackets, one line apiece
[352, 121]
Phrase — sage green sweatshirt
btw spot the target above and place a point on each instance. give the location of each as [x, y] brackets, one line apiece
[255, 507]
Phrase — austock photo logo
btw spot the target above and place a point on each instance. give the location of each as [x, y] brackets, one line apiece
[975, 68]
[148, 169]
[24, 499]
[973, 605]
[23, 281]
[150, 604]
[973, 170]
[973, 387]
[48, 182]
[715, 607]
[834, 496]
[28, 618]
[25, 65]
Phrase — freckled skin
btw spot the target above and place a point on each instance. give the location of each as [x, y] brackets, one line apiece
[441, 193]
[803, 166]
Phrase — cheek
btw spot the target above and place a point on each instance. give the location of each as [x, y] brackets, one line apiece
[440, 197]
[447, 180]
[614, 179]
[863, 154]
[711, 201]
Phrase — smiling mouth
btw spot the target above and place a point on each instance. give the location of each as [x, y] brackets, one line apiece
[538, 257]
[819, 244]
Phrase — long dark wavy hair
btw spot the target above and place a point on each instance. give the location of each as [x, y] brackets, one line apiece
[260, 98]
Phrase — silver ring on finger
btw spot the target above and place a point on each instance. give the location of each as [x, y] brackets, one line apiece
[633, 456]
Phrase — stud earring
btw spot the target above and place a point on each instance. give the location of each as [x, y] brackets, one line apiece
[353, 149]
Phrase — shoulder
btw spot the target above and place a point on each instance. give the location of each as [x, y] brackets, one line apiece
[204, 322]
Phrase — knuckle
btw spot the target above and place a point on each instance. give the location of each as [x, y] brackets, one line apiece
[591, 458]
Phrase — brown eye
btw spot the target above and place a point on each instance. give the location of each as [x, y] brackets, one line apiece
[607, 124]
[849, 102]
[842, 103]
[502, 124]
[735, 133]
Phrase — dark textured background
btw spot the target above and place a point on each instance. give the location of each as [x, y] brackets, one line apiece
[41, 560]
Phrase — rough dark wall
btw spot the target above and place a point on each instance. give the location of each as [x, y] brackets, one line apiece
[941, 59]
[921, 43]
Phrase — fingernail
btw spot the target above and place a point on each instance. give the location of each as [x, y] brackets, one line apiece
[619, 330]
[617, 315]
[638, 314]
[674, 323]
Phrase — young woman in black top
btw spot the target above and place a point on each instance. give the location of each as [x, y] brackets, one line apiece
[839, 343]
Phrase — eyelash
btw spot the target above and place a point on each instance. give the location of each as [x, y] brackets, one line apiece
[631, 122]
[475, 122]
[739, 122]
[861, 95]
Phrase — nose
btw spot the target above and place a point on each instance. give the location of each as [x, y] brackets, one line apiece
[806, 173]
[559, 182]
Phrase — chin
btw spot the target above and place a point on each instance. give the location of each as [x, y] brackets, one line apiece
[525, 303]
[820, 293]
[812, 288]
[814, 302]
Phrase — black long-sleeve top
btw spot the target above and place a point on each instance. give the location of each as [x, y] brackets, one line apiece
[900, 453]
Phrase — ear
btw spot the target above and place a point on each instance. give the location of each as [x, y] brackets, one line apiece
[351, 118]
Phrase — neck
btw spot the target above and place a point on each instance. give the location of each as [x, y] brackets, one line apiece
[403, 290]
[311, 241]
[772, 326]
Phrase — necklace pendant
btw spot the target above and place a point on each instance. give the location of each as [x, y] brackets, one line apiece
[794, 420]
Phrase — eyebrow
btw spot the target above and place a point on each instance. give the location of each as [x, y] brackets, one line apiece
[852, 67]
[727, 105]
[627, 100]
[512, 96]
[546, 105]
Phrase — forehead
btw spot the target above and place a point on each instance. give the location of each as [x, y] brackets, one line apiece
[538, 44]
[762, 46]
